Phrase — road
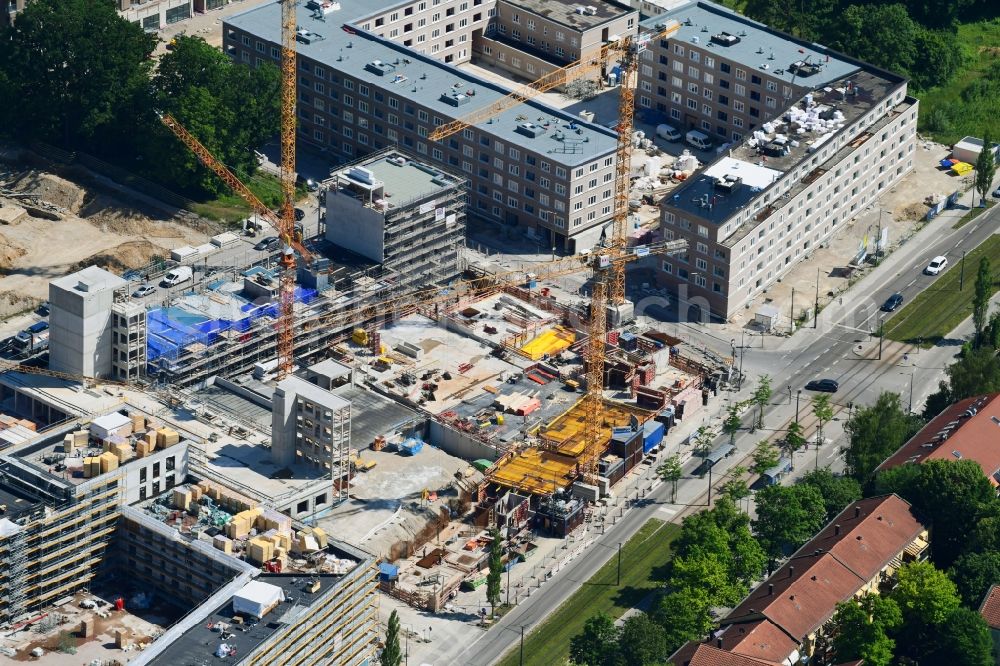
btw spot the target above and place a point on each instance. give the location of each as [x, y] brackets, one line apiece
[840, 347]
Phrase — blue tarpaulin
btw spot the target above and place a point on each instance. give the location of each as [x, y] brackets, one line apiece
[388, 571]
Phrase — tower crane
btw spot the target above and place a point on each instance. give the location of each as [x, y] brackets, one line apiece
[609, 285]
[286, 317]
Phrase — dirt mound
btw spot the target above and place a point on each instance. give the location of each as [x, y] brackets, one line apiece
[51, 188]
[915, 211]
[133, 254]
[110, 215]
[9, 251]
[12, 303]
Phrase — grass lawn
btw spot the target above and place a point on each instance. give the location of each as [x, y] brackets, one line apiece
[941, 307]
[982, 42]
[230, 207]
[973, 214]
[644, 554]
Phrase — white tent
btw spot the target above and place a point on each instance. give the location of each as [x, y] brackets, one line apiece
[257, 599]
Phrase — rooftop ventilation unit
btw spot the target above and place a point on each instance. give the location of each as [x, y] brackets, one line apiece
[399, 160]
[728, 183]
[803, 68]
[454, 98]
[530, 130]
[591, 10]
[379, 68]
[725, 39]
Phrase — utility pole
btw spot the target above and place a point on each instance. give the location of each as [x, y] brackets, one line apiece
[910, 408]
[619, 564]
[522, 645]
[797, 396]
[816, 304]
[791, 314]
[710, 485]
[961, 274]
[881, 328]
[878, 239]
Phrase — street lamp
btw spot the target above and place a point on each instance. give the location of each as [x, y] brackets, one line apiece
[961, 273]
[797, 396]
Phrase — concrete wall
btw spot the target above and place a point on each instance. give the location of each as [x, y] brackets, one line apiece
[80, 335]
[283, 427]
[351, 225]
[457, 443]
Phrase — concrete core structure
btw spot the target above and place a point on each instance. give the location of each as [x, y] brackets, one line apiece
[80, 339]
[310, 426]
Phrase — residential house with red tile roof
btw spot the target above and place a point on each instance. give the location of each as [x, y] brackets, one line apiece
[990, 610]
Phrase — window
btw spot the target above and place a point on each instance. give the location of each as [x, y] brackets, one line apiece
[724, 67]
[156, 470]
[142, 475]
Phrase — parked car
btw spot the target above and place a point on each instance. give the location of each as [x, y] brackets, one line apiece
[996, 193]
[43, 309]
[937, 265]
[143, 291]
[312, 185]
[268, 244]
[299, 214]
[892, 302]
[177, 276]
[823, 385]
[133, 275]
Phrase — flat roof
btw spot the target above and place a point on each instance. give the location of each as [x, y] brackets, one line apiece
[93, 279]
[14, 504]
[403, 178]
[373, 415]
[565, 12]
[563, 137]
[756, 44]
[199, 643]
[312, 392]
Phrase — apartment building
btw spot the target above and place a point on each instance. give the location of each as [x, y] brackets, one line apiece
[816, 141]
[153, 15]
[857, 553]
[362, 90]
[530, 38]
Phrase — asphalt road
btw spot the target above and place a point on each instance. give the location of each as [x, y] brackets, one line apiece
[840, 347]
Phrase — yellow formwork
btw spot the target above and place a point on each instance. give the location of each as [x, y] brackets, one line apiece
[553, 341]
[566, 430]
[536, 471]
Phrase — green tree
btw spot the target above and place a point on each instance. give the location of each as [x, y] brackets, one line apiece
[823, 411]
[391, 653]
[684, 615]
[765, 456]
[837, 491]
[876, 432]
[861, 629]
[963, 640]
[975, 373]
[736, 488]
[496, 570]
[951, 496]
[787, 517]
[761, 396]
[670, 471]
[926, 599]
[642, 642]
[732, 424]
[884, 35]
[974, 574]
[596, 644]
[792, 441]
[75, 69]
[981, 296]
[703, 440]
[986, 171]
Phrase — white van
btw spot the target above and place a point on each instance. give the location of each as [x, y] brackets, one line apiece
[176, 276]
[668, 132]
[698, 140]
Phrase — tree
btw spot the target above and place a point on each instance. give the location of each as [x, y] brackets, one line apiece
[837, 491]
[966, 640]
[71, 85]
[761, 396]
[926, 598]
[765, 456]
[982, 295]
[792, 441]
[670, 471]
[684, 615]
[952, 496]
[642, 642]
[787, 517]
[876, 432]
[861, 629]
[823, 411]
[703, 440]
[883, 35]
[736, 488]
[975, 373]
[986, 171]
[496, 569]
[732, 424]
[596, 644]
[391, 653]
[974, 574]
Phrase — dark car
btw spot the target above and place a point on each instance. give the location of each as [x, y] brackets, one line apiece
[268, 244]
[43, 309]
[299, 214]
[892, 302]
[823, 385]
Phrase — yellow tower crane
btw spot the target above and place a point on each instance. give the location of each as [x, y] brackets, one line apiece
[609, 285]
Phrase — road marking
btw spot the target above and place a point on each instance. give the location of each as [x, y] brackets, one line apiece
[910, 283]
[667, 510]
[826, 368]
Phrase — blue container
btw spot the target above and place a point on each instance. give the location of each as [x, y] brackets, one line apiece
[652, 435]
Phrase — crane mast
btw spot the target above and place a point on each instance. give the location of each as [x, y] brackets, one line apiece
[286, 317]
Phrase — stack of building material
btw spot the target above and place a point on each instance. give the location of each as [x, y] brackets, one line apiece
[121, 638]
[138, 422]
[122, 451]
[272, 519]
[182, 498]
[115, 423]
[260, 550]
[69, 447]
[165, 437]
[241, 524]
[228, 499]
[91, 467]
[81, 438]
[109, 462]
[223, 543]
[87, 628]
[143, 448]
[518, 403]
